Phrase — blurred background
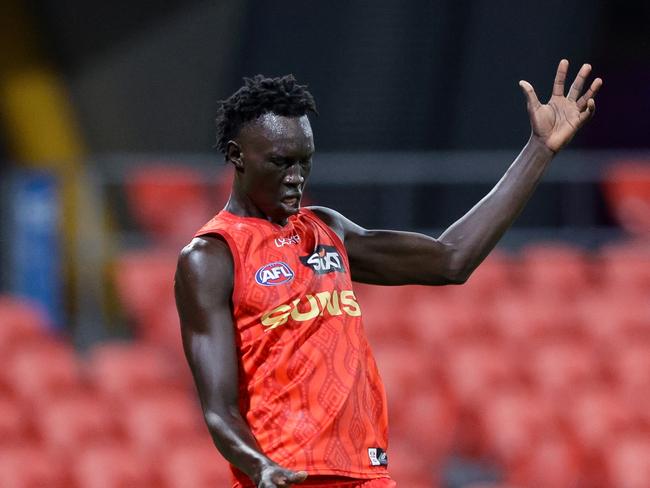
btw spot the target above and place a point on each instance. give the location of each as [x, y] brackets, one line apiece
[536, 373]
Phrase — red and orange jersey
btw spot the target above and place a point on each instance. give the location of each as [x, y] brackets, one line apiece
[309, 386]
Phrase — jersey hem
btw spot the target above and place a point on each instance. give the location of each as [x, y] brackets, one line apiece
[325, 472]
[353, 475]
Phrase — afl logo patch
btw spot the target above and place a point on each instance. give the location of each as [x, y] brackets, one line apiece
[273, 274]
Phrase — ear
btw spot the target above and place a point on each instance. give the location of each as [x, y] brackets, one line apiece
[235, 155]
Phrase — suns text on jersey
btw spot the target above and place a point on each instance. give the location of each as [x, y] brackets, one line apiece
[309, 307]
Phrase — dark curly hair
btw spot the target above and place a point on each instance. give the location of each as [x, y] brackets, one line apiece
[260, 95]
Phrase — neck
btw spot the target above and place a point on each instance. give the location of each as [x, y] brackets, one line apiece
[240, 204]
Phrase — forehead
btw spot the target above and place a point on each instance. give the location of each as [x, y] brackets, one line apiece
[275, 132]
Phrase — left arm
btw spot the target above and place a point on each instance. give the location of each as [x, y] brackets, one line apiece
[398, 258]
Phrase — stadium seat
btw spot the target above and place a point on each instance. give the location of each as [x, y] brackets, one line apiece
[608, 318]
[436, 324]
[42, 370]
[151, 421]
[519, 318]
[21, 322]
[473, 368]
[383, 311]
[627, 189]
[629, 364]
[490, 484]
[162, 328]
[145, 280]
[593, 415]
[625, 268]
[70, 424]
[426, 420]
[556, 271]
[119, 370]
[555, 368]
[31, 467]
[195, 464]
[113, 466]
[15, 423]
[404, 370]
[552, 462]
[410, 467]
[627, 461]
[494, 276]
[511, 423]
[169, 202]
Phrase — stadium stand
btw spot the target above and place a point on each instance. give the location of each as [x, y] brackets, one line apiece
[193, 465]
[551, 388]
[168, 202]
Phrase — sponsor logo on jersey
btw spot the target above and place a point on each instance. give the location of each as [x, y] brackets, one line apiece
[325, 259]
[378, 456]
[287, 241]
[274, 274]
[308, 307]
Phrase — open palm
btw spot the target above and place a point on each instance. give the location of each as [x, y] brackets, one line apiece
[556, 122]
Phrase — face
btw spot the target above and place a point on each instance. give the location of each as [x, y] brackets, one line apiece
[272, 156]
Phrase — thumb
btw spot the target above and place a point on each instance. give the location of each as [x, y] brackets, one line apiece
[296, 476]
[287, 477]
[529, 93]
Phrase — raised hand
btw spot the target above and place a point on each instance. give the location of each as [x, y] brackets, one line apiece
[556, 122]
[275, 476]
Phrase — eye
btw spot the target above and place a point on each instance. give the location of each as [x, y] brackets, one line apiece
[277, 161]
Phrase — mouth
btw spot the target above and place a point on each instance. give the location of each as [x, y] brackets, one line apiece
[291, 200]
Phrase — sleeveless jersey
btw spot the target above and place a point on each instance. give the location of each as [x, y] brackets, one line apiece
[308, 383]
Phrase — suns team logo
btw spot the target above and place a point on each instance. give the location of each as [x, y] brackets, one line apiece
[273, 274]
[324, 259]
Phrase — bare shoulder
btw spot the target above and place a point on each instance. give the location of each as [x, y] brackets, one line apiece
[205, 259]
[343, 226]
[327, 215]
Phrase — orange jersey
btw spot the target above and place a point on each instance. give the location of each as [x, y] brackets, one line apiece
[308, 384]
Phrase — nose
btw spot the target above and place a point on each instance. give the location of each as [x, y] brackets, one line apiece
[294, 176]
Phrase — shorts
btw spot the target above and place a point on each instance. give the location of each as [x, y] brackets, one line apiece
[341, 482]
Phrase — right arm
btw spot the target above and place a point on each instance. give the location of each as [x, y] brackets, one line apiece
[203, 287]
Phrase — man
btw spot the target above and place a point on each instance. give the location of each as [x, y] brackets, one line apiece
[270, 323]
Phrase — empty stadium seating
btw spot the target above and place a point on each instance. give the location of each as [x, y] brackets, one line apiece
[113, 466]
[169, 202]
[194, 465]
[120, 370]
[553, 462]
[43, 369]
[627, 189]
[552, 387]
[627, 460]
[151, 421]
[70, 424]
[15, 423]
[512, 422]
[29, 466]
[558, 272]
[144, 281]
[555, 368]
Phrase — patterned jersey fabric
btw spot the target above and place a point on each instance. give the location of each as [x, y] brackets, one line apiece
[309, 386]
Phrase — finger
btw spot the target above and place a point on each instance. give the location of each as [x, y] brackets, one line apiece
[587, 114]
[578, 83]
[560, 77]
[590, 93]
[529, 93]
